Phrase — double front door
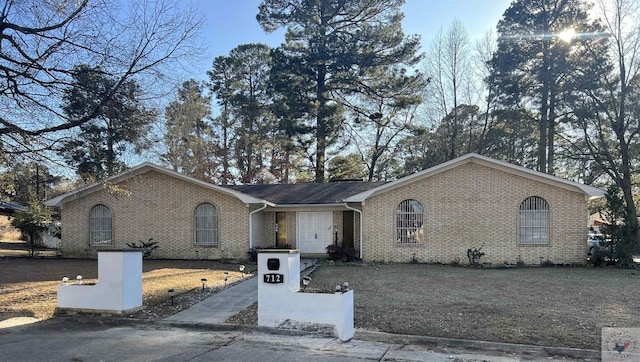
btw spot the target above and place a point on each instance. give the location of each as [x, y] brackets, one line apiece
[315, 231]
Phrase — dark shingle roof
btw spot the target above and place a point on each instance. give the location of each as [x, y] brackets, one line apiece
[308, 193]
[9, 208]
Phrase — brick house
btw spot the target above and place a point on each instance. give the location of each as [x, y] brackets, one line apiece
[435, 215]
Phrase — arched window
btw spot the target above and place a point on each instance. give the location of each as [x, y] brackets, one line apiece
[534, 221]
[409, 222]
[206, 225]
[100, 225]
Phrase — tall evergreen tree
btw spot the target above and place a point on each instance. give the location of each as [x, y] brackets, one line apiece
[535, 65]
[116, 125]
[250, 102]
[221, 85]
[190, 149]
[240, 83]
[333, 43]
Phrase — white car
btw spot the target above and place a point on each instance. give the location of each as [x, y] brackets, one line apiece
[594, 242]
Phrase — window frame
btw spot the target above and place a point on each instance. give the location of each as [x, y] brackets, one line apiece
[405, 215]
[105, 222]
[534, 222]
[211, 230]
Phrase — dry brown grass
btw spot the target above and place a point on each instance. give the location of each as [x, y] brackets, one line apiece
[542, 306]
[8, 232]
[28, 285]
[565, 307]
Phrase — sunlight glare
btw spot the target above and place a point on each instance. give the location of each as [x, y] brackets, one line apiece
[567, 35]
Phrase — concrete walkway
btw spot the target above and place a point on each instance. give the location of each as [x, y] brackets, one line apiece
[221, 306]
[231, 301]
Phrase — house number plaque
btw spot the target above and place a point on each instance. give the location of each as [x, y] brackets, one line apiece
[273, 278]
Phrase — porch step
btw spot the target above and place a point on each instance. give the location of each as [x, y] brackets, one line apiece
[308, 266]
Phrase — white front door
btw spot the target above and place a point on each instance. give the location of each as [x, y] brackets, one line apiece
[315, 231]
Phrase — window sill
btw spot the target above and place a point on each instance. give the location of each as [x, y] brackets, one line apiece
[410, 245]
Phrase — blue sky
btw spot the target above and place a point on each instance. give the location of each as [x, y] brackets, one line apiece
[231, 23]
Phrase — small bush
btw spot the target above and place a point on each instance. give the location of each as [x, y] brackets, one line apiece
[252, 254]
[547, 262]
[146, 246]
[474, 255]
[602, 257]
[334, 252]
[341, 253]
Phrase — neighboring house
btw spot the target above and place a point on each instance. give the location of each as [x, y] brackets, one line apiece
[9, 208]
[513, 213]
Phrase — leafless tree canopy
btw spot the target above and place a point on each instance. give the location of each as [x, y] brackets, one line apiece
[42, 40]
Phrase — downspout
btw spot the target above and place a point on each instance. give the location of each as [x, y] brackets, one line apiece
[359, 212]
[264, 206]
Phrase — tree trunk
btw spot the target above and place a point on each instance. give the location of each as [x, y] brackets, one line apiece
[226, 177]
[110, 155]
[322, 121]
[551, 126]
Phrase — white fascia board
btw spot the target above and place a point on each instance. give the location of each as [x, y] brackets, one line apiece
[589, 191]
[309, 207]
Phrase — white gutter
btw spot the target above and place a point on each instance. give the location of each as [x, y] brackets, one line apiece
[359, 212]
[264, 206]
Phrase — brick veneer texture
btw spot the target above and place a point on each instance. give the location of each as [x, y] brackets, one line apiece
[472, 206]
[154, 205]
[468, 206]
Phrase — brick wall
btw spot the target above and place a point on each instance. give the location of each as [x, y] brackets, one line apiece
[471, 206]
[159, 207]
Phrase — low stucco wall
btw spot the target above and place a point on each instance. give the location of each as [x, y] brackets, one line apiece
[280, 303]
[119, 286]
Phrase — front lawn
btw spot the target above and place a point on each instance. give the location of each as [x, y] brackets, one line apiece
[28, 286]
[543, 306]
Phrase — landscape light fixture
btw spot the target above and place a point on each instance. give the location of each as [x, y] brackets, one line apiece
[305, 282]
[345, 287]
[338, 288]
[172, 293]
[241, 267]
[65, 280]
[79, 279]
[204, 283]
[226, 277]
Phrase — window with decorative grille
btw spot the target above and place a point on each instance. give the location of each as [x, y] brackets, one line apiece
[100, 225]
[409, 222]
[534, 221]
[206, 225]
